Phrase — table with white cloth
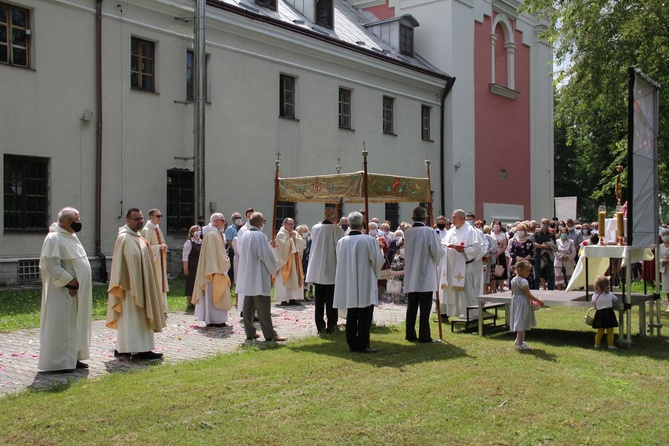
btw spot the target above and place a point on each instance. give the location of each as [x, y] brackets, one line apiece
[594, 261]
[566, 299]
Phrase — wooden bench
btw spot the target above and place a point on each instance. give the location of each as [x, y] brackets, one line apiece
[471, 323]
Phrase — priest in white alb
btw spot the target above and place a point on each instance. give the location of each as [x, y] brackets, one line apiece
[134, 307]
[154, 235]
[459, 280]
[289, 283]
[67, 295]
[211, 292]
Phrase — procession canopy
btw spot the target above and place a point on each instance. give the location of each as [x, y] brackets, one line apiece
[332, 188]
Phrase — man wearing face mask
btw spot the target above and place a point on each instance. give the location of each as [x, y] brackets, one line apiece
[423, 251]
[67, 296]
[230, 234]
[211, 293]
[134, 308]
[343, 224]
[443, 225]
[544, 248]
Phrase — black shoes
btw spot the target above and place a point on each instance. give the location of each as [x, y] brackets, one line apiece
[147, 356]
[121, 355]
[82, 365]
[218, 325]
[364, 350]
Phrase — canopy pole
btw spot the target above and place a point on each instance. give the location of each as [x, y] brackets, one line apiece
[436, 293]
[277, 163]
[364, 183]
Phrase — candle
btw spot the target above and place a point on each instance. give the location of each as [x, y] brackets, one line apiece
[620, 226]
[601, 226]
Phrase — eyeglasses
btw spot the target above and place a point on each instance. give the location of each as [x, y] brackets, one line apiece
[158, 216]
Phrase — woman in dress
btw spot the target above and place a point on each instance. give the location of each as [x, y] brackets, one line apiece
[564, 259]
[521, 246]
[190, 257]
[664, 263]
[497, 281]
[394, 293]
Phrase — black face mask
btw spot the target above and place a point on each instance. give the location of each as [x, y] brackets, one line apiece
[441, 226]
[76, 226]
[200, 222]
[344, 227]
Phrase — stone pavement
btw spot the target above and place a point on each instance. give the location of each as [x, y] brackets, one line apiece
[183, 339]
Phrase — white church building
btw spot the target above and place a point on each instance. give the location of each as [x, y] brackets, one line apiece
[97, 110]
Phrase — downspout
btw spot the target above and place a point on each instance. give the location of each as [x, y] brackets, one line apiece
[98, 166]
[442, 170]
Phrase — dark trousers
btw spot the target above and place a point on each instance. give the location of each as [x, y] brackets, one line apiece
[231, 271]
[550, 274]
[261, 304]
[323, 300]
[422, 301]
[358, 325]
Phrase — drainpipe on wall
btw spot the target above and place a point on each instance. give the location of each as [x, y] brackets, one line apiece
[442, 172]
[98, 167]
[199, 68]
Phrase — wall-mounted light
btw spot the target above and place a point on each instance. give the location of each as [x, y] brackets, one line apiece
[87, 116]
[457, 165]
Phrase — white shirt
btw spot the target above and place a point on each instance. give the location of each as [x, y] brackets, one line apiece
[359, 263]
[256, 262]
[323, 254]
[423, 251]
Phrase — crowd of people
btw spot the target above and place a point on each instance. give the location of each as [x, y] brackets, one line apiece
[348, 267]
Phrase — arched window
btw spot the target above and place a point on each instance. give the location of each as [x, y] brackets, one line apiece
[503, 49]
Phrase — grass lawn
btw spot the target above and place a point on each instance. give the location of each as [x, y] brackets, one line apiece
[467, 390]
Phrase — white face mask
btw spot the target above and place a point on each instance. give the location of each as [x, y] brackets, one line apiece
[521, 233]
[305, 235]
[665, 238]
[222, 230]
[496, 228]
[373, 232]
[401, 251]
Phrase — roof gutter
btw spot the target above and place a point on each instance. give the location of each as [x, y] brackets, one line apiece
[442, 170]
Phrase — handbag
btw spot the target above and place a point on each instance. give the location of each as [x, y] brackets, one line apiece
[590, 316]
[394, 286]
[498, 271]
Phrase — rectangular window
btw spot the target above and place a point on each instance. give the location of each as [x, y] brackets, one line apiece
[406, 40]
[270, 4]
[26, 193]
[287, 97]
[28, 270]
[180, 201]
[284, 209]
[393, 214]
[426, 205]
[142, 64]
[344, 108]
[388, 115]
[190, 76]
[425, 122]
[14, 35]
[324, 13]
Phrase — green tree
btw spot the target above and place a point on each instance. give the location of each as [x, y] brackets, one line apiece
[596, 41]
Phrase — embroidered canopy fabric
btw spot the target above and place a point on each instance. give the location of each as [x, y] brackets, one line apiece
[332, 188]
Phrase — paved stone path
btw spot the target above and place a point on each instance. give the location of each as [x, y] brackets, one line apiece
[183, 339]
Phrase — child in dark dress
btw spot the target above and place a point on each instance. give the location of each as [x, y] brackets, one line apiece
[605, 317]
